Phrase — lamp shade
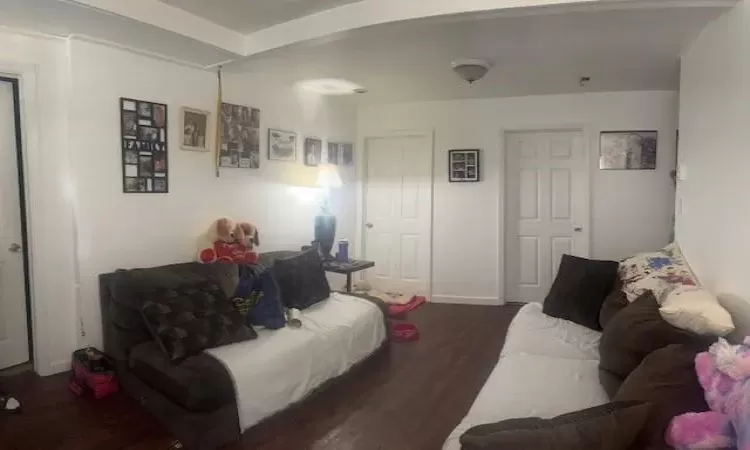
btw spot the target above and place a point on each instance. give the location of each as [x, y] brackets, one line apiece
[328, 177]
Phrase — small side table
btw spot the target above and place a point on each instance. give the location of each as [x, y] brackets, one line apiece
[347, 268]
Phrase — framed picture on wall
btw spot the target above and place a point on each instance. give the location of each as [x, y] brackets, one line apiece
[195, 135]
[143, 127]
[628, 150]
[240, 136]
[313, 151]
[282, 145]
[463, 166]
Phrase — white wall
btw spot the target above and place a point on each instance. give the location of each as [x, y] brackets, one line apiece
[116, 230]
[712, 226]
[631, 210]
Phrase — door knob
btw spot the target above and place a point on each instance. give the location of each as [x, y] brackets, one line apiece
[15, 248]
[577, 229]
[369, 225]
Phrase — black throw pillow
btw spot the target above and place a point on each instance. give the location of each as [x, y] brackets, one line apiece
[579, 290]
[666, 379]
[188, 319]
[302, 280]
[613, 426]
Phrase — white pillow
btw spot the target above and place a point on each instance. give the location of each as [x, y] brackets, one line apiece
[695, 309]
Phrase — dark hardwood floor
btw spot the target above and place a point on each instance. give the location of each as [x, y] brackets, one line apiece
[406, 398]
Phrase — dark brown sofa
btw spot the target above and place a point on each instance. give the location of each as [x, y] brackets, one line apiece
[195, 399]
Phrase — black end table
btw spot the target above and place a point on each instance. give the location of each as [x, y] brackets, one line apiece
[347, 268]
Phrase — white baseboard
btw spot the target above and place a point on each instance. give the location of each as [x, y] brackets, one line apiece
[464, 300]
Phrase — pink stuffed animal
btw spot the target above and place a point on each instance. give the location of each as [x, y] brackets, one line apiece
[724, 374]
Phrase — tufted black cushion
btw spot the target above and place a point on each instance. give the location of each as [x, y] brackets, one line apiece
[302, 280]
[187, 319]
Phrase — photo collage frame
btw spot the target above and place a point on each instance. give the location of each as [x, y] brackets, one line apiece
[463, 166]
[145, 166]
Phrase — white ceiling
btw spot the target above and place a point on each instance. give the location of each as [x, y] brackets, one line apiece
[247, 16]
[635, 49]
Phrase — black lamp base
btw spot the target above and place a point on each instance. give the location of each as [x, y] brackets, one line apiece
[325, 234]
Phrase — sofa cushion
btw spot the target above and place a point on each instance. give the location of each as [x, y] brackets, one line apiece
[199, 383]
[536, 333]
[579, 290]
[184, 320]
[122, 300]
[610, 382]
[636, 331]
[666, 378]
[301, 279]
[615, 301]
[613, 426]
[525, 385]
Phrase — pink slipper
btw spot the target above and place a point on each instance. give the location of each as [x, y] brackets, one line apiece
[404, 332]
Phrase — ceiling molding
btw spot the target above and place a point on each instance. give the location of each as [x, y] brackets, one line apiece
[167, 17]
[376, 12]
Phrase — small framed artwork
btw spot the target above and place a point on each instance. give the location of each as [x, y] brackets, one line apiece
[195, 129]
[144, 146]
[282, 145]
[313, 151]
[628, 150]
[341, 153]
[463, 166]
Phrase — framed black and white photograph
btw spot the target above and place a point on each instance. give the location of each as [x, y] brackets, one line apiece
[313, 151]
[240, 137]
[195, 124]
[144, 146]
[628, 150]
[282, 145]
[463, 166]
[341, 153]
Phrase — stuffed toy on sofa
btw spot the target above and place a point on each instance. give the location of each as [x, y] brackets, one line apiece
[227, 241]
[724, 373]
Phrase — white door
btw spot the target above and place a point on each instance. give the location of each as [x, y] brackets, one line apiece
[546, 208]
[14, 343]
[398, 212]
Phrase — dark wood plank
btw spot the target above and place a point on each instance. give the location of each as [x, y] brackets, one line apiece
[408, 397]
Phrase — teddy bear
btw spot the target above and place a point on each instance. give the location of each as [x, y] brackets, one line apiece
[229, 242]
[724, 374]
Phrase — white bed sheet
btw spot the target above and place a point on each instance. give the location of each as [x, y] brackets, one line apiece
[534, 332]
[526, 385]
[281, 367]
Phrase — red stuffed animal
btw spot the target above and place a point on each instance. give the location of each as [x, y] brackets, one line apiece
[229, 243]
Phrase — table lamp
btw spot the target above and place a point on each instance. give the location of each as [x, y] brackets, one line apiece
[325, 222]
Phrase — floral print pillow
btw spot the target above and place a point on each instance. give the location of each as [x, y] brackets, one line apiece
[659, 272]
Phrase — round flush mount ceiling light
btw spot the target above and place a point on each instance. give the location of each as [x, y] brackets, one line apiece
[331, 86]
[471, 69]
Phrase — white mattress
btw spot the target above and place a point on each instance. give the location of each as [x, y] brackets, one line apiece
[281, 367]
[547, 367]
[534, 332]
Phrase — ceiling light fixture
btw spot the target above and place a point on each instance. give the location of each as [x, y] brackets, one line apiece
[330, 86]
[471, 69]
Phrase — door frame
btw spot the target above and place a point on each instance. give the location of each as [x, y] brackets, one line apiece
[587, 134]
[20, 168]
[50, 343]
[362, 189]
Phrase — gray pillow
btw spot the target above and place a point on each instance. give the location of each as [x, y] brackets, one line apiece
[613, 426]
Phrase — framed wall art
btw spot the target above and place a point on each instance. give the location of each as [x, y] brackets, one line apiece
[463, 166]
[282, 145]
[313, 151]
[341, 153]
[195, 124]
[628, 150]
[145, 166]
[240, 137]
